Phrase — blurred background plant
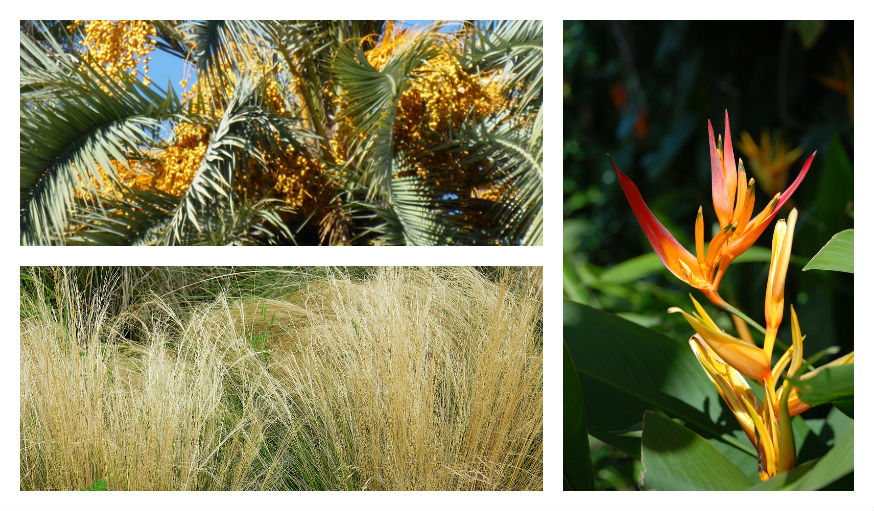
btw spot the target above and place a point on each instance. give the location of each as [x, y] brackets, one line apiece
[281, 132]
[643, 92]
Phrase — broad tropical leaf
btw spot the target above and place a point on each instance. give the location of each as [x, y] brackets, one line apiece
[836, 255]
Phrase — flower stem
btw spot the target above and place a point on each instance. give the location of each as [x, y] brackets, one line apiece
[730, 308]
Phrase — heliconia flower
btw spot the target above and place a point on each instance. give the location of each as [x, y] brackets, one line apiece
[732, 386]
[767, 421]
[781, 248]
[734, 197]
[733, 201]
[753, 416]
[742, 355]
[688, 268]
[769, 160]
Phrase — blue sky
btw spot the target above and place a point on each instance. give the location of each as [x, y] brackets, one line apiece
[164, 65]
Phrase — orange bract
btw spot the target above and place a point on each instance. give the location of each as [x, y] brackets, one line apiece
[733, 201]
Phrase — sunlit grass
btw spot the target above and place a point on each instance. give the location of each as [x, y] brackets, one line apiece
[396, 379]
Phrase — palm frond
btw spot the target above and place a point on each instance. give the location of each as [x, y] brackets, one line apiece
[514, 153]
[246, 132]
[219, 49]
[306, 49]
[214, 178]
[259, 223]
[70, 133]
[515, 47]
[216, 42]
[171, 39]
[372, 101]
[46, 68]
[420, 213]
[133, 217]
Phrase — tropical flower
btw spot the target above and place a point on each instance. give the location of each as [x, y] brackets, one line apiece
[769, 160]
[841, 80]
[765, 422]
[733, 201]
[781, 248]
[741, 354]
[727, 359]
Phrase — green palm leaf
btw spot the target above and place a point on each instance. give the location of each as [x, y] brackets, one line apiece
[70, 130]
[515, 47]
[513, 153]
[373, 97]
[423, 214]
[245, 134]
[134, 217]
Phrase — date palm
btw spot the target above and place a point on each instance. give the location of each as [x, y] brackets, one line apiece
[301, 93]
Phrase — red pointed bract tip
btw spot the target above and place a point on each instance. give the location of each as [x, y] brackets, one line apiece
[789, 191]
[728, 154]
[747, 239]
[721, 203]
[665, 245]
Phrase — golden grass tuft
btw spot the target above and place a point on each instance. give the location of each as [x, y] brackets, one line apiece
[407, 379]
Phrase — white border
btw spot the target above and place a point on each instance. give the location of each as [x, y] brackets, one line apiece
[548, 256]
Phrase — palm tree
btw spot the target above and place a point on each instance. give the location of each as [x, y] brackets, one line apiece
[290, 132]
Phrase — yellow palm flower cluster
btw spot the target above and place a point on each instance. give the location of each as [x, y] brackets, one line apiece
[290, 174]
[275, 98]
[132, 173]
[117, 47]
[171, 170]
[442, 95]
[178, 163]
[294, 179]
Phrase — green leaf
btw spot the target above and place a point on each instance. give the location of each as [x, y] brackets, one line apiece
[836, 255]
[846, 406]
[577, 458]
[829, 385]
[100, 485]
[626, 369]
[809, 31]
[677, 458]
[633, 269]
[573, 285]
[645, 265]
[817, 474]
